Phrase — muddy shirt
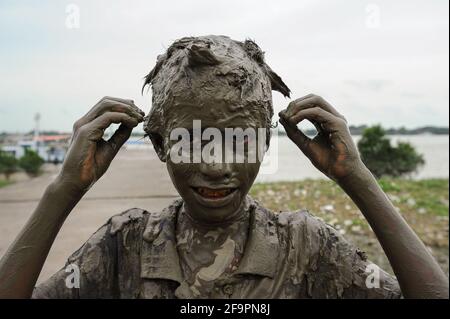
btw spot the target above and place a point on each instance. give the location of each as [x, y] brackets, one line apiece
[287, 255]
[209, 253]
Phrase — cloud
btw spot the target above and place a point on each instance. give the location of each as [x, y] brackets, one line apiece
[316, 47]
[369, 84]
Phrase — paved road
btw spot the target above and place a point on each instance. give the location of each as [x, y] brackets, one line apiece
[136, 178]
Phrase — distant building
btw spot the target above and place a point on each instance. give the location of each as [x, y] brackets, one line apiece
[51, 148]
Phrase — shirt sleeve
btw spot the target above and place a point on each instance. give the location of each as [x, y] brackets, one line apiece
[88, 273]
[335, 268]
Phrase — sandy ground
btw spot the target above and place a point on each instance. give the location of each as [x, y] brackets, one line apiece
[136, 178]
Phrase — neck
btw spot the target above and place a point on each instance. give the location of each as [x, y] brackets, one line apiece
[241, 214]
[195, 233]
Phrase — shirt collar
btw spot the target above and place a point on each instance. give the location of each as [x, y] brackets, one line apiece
[159, 256]
[262, 248]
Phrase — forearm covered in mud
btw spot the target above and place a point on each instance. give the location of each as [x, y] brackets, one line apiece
[22, 263]
[418, 273]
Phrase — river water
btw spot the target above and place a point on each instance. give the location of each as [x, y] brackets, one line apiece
[285, 162]
[289, 163]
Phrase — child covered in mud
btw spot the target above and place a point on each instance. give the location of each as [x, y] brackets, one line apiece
[216, 241]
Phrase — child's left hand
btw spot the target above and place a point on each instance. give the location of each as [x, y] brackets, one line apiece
[332, 151]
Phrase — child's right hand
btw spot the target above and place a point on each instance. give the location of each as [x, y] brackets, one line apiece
[89, 155]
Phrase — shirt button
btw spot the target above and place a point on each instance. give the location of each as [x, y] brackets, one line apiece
[228, 290]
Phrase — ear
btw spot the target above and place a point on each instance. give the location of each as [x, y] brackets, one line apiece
[158, 145]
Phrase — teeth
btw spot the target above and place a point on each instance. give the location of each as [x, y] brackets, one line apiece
[214, 193]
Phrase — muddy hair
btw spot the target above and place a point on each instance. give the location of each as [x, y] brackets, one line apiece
[217, 59]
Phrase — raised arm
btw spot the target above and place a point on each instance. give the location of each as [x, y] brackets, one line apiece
[334, 153]
[88, 158]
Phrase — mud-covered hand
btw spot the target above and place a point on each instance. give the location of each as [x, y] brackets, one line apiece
[89, 155]
[87, 159]
[332, 150]
[334, 153]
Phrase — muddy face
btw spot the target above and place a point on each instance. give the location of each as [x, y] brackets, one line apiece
[225, 84]
[214, 192]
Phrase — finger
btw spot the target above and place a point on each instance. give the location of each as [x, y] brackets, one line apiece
[303, 98]
[126, 101]
[96, 128]
[113, 106]
[296, 135]
[106, 119]
[119, 137]
[318, 116]
[104, 106]
[288, 119]
[311, 101]
[293, 102]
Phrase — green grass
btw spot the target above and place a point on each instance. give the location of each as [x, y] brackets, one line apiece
[4, 183]
[429, 194]
[424, 205]
[425, 196]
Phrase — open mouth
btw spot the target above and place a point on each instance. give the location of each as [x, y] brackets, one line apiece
[214, 193]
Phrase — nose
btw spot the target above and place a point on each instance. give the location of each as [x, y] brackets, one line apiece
[216, 171]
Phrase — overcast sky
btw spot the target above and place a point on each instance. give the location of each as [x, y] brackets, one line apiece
[375, 61]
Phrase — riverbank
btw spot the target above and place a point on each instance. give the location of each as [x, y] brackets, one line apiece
[424, 204]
